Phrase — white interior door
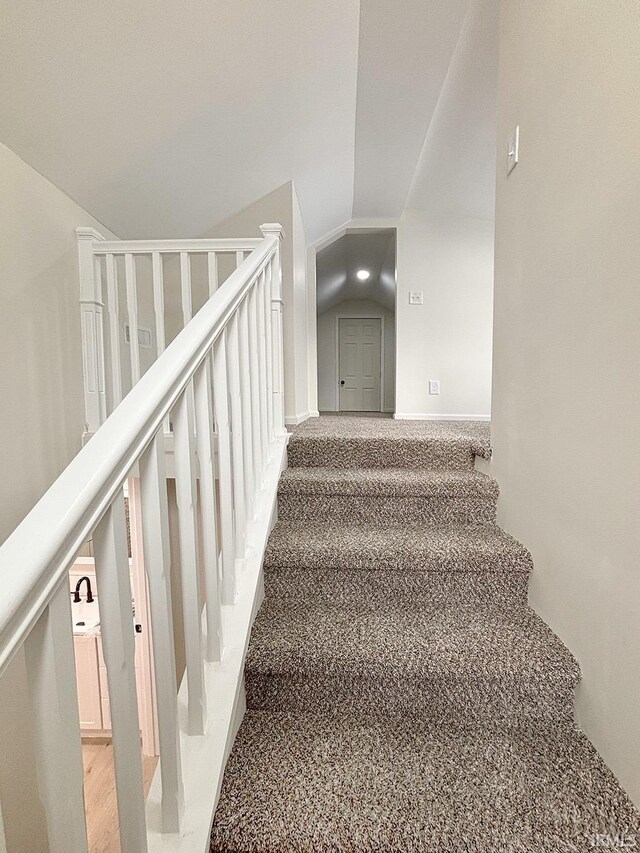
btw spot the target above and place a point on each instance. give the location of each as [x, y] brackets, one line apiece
[359, 364]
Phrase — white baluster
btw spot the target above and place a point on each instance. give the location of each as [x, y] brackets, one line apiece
[102, 385]
[269, 351]
[158, 301]
[186, 495]
[254, 382]
[247, 422]
[116, 628]
[212, 266]
[239, 258]
[262, 367]
[113, 307]
[277, 346]
[132, 311]
[239, 509]
[221, 408]
[187, 310]
[158, 308]
[52, 685]
[155, 534]
[91, 308]
[185, 283]
[274, 230]
[208, 504]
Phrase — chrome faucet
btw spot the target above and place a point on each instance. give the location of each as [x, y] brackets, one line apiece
[76, 595]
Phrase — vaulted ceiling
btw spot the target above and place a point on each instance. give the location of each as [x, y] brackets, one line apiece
[403, 58]
[164, 118]
[338, 265]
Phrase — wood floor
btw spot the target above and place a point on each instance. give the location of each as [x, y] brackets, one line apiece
[100, 794]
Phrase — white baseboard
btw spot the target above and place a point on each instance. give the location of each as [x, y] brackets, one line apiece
[294, 420]
[423, 416]
[337, 412]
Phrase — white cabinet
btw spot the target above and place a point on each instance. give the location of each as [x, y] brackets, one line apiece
[89, 696]
[93, 690]
[104, 686]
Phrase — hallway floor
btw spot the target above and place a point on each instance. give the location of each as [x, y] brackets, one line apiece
[383, 425]
[356, 415]
[100, 794]
[401, 694]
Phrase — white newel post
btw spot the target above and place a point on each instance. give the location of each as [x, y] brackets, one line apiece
[91, 305]
[272, 229]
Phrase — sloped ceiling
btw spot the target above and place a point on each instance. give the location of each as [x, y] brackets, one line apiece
[405, 50]
[164, 118]
[339, 262]
[456, 172]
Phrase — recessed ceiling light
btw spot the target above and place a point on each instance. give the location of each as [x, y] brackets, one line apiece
[363, 275]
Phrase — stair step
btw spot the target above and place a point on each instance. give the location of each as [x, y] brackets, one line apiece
[394, 451]
[441, 660]
[304, 781]
[387, 495]
[344, 587]
[436, 548]
[356, 442]
[386, 482]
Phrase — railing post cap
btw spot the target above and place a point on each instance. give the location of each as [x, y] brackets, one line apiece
[273, 229]
[86, 233]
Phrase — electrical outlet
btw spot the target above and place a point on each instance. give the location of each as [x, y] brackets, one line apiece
[415, 297]
[434, 386]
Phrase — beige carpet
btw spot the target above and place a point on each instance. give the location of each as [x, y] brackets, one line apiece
[401, 695]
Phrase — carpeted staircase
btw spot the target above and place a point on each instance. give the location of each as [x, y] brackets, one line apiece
[401, 695]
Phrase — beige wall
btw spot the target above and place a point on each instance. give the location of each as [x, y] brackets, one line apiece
[327, 349]
[302, 308]
[43, 418]
[566, 401]
[448, 337]
[312, 333]
[40, 347]
[281, 206]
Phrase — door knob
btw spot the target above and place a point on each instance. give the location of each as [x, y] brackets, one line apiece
[342, 381]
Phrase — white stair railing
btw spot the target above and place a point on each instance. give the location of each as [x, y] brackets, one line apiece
[112, 294]
[221, 380]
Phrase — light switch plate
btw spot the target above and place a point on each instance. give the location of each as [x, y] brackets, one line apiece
[513, 150]
[415, 297]
[434, 386]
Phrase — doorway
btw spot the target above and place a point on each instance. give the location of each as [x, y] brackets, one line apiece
[360, 364]
[356, 320]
